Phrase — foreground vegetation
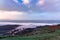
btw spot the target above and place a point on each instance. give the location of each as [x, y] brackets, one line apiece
[39, 33]
[47, 36]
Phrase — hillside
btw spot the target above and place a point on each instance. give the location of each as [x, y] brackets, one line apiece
[27, 30]
[47, 32]
[36, 31]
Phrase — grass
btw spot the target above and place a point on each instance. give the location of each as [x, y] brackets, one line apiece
[42, 34]
[47, 36]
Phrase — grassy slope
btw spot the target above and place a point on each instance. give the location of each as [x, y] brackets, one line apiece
[53, 36]
[38, 34]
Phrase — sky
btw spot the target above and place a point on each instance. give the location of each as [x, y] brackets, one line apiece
[29, 9]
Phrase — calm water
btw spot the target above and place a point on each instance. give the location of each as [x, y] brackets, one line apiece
[32, 21]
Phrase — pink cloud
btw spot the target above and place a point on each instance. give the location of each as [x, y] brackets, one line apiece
[41, 2]
[26, 1]
[11, 15]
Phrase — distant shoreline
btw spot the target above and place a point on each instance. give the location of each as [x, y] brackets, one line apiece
[37, 24]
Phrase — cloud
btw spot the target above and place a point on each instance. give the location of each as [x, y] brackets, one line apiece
[1, 2]
[26, 5]
[50, 16]
[52, 5]
[16, 1]
[12, 15]
[16, 15]
[26, 1]
[41, 2]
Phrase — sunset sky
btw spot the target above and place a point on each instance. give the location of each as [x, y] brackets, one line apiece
[29, 9]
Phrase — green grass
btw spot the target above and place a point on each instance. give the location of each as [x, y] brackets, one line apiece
[46, 36]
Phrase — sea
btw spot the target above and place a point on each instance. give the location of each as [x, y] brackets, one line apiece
[29, 22]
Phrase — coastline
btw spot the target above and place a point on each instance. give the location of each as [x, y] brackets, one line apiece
[37, 24]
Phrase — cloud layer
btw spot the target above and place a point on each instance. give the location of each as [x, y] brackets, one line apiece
[30, 9]
[15, 15]
[12, 15]
[34, 5]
